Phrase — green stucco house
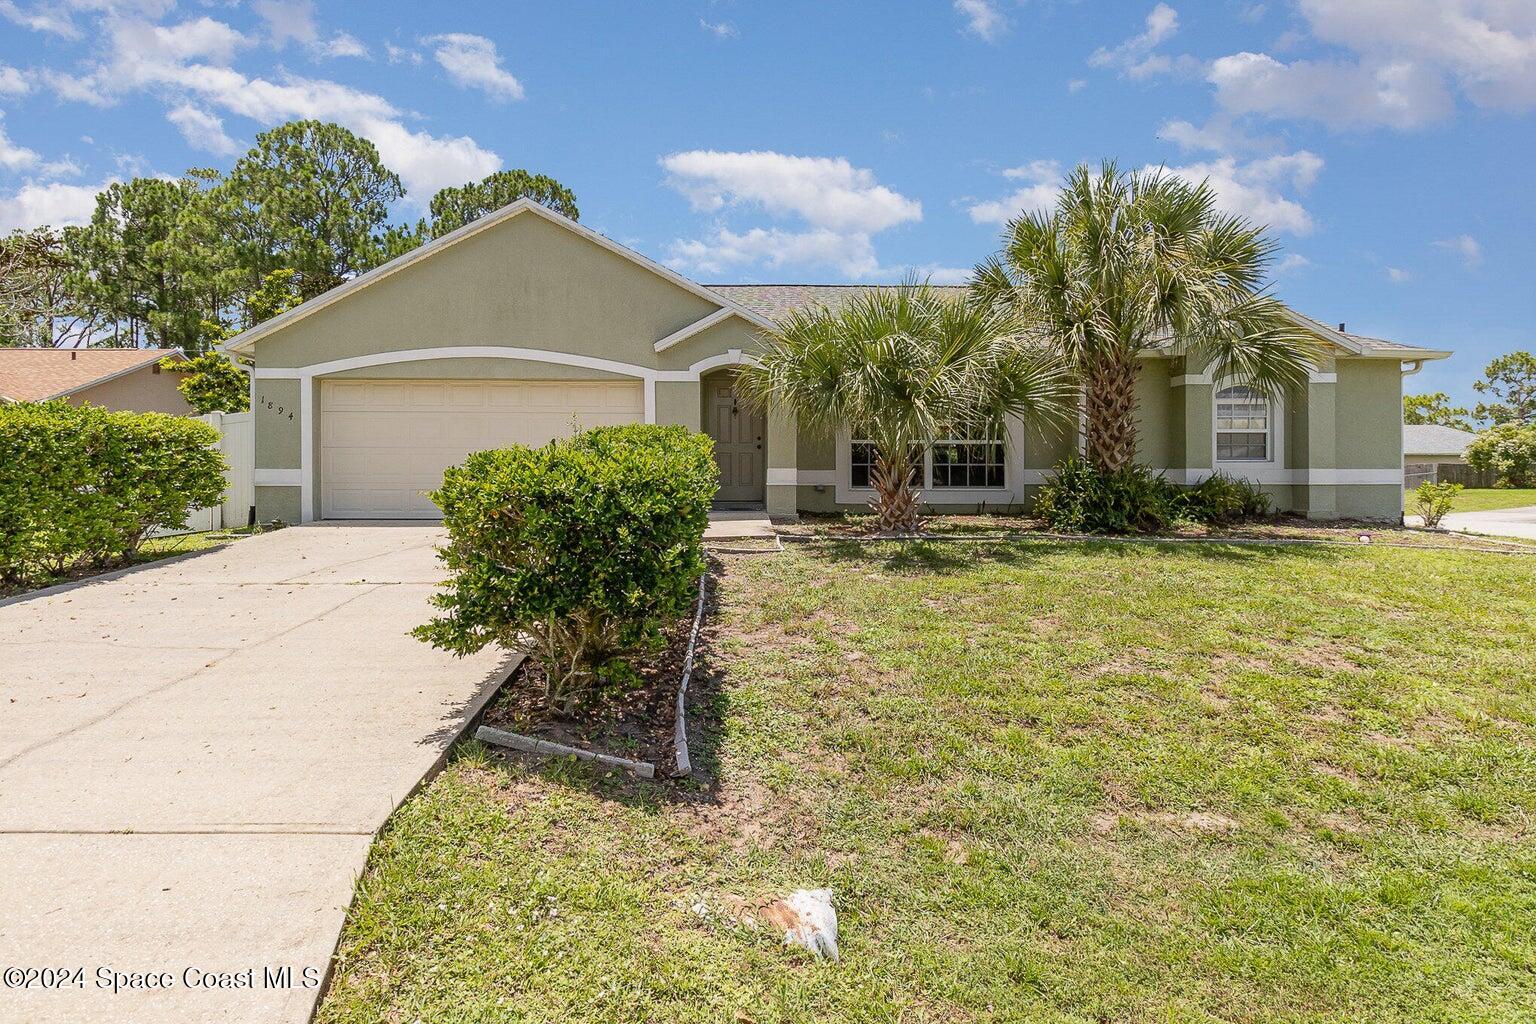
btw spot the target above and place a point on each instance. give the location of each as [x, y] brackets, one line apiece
[523, 326]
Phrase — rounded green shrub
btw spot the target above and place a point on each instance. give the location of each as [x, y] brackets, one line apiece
[575, 554]
[81, 487]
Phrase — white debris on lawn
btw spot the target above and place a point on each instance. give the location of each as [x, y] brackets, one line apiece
[806, 918]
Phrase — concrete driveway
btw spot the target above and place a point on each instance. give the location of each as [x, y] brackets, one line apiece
[1508, 522]
[194, 758]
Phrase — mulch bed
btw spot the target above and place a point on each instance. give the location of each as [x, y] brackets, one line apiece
[636, 723]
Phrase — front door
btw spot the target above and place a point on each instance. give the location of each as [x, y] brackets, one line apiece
[739, 439]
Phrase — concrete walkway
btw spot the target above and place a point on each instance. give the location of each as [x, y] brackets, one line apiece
[1508, 522]
[194, 757]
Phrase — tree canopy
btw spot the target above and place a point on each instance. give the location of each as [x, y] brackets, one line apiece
[1125, 263]
[1435, 408]
[1510, 381]
[186, 263]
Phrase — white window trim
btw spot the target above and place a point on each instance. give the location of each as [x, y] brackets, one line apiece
[1012, 493]
[1275, 447]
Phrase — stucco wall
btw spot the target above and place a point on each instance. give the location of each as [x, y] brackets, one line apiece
[147, 389]
[523, 283]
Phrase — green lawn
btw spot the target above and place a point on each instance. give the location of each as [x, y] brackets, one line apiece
[1049, 782]
[1487, 499]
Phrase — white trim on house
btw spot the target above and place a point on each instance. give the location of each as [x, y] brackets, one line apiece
[1011, 493]
[697, 327]
[1279, 477]
[1274, 447]
[278, 478]
[1314, 377]
[781, 477]
[246, 339]
[306, 375]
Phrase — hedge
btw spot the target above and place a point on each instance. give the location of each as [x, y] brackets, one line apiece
[81, 488]
[575, 554]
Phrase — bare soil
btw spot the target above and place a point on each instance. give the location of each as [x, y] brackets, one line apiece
[634, 721]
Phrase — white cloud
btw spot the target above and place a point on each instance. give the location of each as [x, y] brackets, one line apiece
[473, 63]
[1076, 85]
[828, 192]
[400, 55]
[982, 19]
[198, 39]
[843, 206]
[14, 157]
[1465, 246]
[288, 21]
[1038, 195]
[54, 203]
[1397, 275]
[39, 19]
[1255, 189]
[424, 162]
[343, 44]
[1135, 57]
[1406, 61]
[1291, 263]
[12, 82]
[933, 273]
[202, 130]
[1340, 94]
[719, 29]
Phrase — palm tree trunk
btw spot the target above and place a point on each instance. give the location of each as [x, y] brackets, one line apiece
[1110, 412]
[895, 501]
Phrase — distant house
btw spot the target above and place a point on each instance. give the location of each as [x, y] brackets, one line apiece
[127, 379]
[1428, 447]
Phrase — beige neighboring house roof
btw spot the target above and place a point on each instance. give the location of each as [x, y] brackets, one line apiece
[1435, 439]
[39, 374]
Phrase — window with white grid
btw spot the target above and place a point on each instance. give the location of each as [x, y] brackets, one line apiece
[1243, 421]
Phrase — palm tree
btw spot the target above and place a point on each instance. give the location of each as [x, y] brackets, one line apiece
[903, 365]
[1126, 263]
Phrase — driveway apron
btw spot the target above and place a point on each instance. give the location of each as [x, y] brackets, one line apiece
[194, 758]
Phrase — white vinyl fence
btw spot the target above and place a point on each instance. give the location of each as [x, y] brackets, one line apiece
[237, 440]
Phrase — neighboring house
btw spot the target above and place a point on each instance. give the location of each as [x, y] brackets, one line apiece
[128, 379]
[524, 325]
[1428, 447]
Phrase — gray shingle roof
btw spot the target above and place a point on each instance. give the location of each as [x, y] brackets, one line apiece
[776, 300]
[1434, 439]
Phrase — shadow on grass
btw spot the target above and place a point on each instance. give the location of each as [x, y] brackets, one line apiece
[946, 556]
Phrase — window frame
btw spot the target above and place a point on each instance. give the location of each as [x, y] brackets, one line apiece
[1011, 492]
[1274, 431]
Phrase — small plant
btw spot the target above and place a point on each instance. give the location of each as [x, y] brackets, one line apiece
[575, 554]
[1220, 499]
[1080, 498]
[1432, 501]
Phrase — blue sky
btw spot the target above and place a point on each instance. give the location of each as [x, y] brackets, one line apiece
[1388, 143]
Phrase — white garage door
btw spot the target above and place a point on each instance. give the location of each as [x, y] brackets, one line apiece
[385, 442]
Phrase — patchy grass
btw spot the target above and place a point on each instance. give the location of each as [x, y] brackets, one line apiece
[1076, 782]
[1277, 528]
[1489, 499]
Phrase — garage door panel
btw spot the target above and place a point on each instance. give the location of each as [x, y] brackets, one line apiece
[385, 443]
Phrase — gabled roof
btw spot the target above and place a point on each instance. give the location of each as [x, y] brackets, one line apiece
[246, 339]
[40, 374]
[1435, 439]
